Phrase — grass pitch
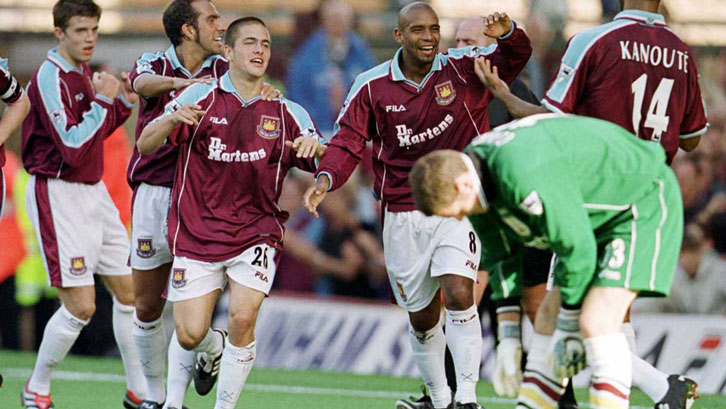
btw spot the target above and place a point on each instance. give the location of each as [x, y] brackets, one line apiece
[83, 382]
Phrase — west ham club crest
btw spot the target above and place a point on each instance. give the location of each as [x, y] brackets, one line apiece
[78, 266]
[445, 93]
[269, 127]
[145, 248]
[178, 277]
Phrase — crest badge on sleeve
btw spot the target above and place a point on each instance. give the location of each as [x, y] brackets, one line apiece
[78, 265]
[145, 247]
[269, 127]
[178, 277]
[445, 93]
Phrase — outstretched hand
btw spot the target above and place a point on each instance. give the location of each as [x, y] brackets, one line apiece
[315, 194]
[497, 25]
[305, 146]
[489, 76]
[188, 114]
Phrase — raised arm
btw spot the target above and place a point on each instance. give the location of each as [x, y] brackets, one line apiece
[489, 75]
[18, 104]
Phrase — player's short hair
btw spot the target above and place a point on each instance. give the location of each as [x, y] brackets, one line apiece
[233, 30]
[432, 180]
[176, 14]
[64, 10]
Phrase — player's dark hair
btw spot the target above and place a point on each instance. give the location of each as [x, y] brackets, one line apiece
[178, 13]
[233, 30]
[64, 10]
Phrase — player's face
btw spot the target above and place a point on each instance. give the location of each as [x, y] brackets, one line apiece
[251, 52]
[466, 199]
[420, 38]
[78, 40]
[210, 26]
[471, 33]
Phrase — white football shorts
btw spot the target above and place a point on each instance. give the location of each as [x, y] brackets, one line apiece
[419, 249]
[254, 268]
[79, 230]
[149, 244]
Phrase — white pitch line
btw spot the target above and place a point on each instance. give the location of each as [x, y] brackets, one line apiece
[24, 373]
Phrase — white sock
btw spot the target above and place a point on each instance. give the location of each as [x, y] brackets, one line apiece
[211, 344]
[123, 329]
[645, 376]
[181, 373]
[233, 372]
[428, 351]
[60, 333]
[540, 386]
[150, 342]
[463, 335]
[167, 317]
[609, 357]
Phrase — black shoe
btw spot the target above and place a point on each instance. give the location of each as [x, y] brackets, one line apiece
[681, 393]
[568, 401]
[471, 405]
[424, 402]
[150, 404]
[206, 372]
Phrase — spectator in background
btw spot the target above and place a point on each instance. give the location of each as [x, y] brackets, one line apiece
[321, 71]
[694, 177]
[699, 283]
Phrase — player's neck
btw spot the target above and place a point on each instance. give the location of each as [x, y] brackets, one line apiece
[67, 56]
[190, 56]
[412, 69]
[246, 86]
[644, 5]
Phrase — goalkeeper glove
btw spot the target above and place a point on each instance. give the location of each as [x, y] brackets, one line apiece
[508, 372]
[566, 352]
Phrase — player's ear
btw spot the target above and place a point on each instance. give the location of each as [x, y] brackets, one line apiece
[398, 35]
[228, 52]
[58, 32]
[188, 31]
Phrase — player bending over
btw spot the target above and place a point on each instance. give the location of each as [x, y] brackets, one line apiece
[225, 227]
[549, 182]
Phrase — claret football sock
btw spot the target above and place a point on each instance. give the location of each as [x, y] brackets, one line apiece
[60, 333]
[150, 341]
[428, 352]
[609, 357]
[645, 376]
[235, 368]
[463, 335]
[181, 372]
[123, 329]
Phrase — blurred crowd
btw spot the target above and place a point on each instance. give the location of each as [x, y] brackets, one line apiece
[340, 253]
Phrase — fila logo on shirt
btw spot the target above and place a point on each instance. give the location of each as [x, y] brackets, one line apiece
[218, 121]
[407, 138]
[395, 108]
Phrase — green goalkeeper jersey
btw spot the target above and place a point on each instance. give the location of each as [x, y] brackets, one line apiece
[583, 188]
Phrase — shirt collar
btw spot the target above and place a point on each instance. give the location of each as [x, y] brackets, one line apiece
[226, 85]
[56, 58]
[653, 19]
[176, 64]
[397, 73]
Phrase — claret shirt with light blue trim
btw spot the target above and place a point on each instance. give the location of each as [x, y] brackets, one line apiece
[10, 92]
[230, 172]
[158, 168]
[635, 72]
[405, 120]
[68, 121]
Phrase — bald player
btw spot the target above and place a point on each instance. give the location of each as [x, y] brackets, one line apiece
[418, 102]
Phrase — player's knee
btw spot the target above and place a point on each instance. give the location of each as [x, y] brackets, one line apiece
[459, 298]
[241, 321]
[83, 310]
[530, 307]
[189, 339]
[125, 297]
[148, 311]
